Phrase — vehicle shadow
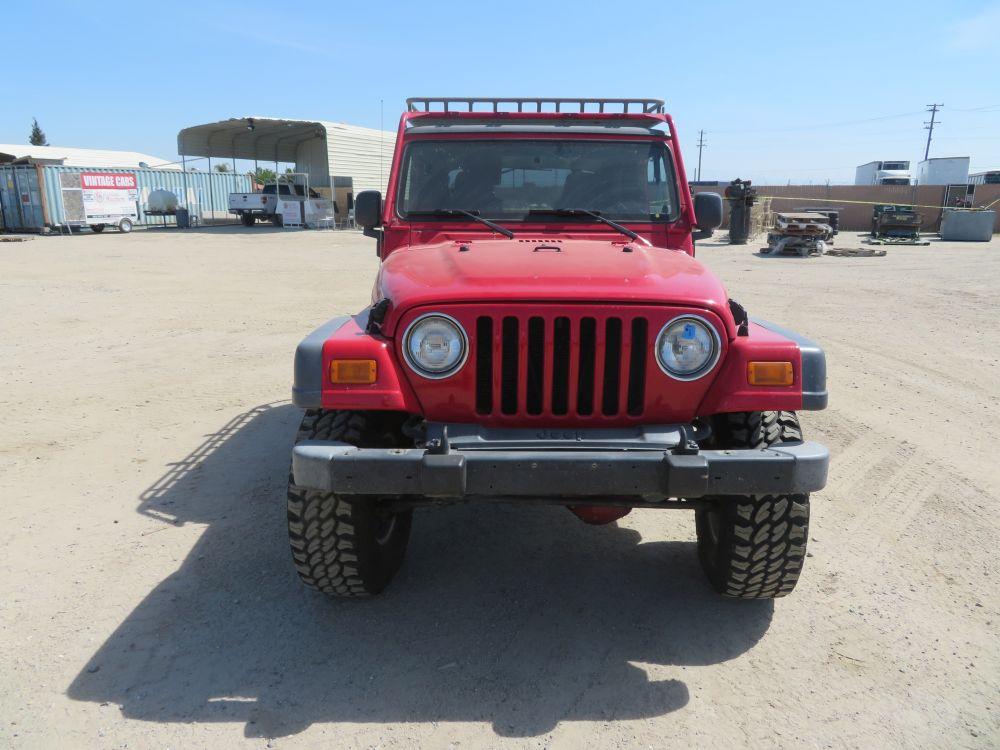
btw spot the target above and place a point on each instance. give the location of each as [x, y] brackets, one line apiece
[237, 228]
[522, 617]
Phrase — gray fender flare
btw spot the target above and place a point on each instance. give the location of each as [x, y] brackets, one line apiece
[307, 384]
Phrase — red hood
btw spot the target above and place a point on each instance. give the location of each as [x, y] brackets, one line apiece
[521, 270]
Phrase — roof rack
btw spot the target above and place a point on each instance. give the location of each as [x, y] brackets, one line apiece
[534, 104]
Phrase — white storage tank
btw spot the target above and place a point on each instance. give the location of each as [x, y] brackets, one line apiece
[162, 201]
[947, 170]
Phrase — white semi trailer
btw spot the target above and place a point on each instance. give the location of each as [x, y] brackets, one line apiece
[985, 178]
[883, 173]
[947, 170]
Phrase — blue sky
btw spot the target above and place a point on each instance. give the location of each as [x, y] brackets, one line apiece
[783, 93]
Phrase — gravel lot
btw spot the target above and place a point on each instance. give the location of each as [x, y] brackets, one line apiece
[147, 597]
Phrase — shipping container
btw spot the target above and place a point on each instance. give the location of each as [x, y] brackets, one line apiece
[37, 197]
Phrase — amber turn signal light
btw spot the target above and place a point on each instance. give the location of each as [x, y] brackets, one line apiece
[353, 371]
[769, 373]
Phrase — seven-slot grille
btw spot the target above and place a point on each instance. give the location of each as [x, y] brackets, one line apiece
[577, 365]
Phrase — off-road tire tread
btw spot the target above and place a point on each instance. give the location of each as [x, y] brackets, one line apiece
[327, 533]
[763, 538]
[761, 429]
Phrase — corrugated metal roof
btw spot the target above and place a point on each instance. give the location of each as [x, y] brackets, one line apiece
[262, 138]
[79, 157]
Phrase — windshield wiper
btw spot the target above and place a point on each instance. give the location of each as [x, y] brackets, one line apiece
[474, 215]
[592, 214]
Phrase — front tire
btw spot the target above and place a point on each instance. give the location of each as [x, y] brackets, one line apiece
[125, 226]
[344, 546]
[754, 547]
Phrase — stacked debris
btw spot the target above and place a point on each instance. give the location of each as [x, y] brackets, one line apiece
[802, 233]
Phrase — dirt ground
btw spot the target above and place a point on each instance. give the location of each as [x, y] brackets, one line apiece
[147, 597]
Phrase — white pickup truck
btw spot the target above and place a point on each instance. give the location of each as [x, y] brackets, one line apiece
[264, 205]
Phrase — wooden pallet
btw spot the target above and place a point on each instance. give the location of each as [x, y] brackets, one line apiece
[856, 252]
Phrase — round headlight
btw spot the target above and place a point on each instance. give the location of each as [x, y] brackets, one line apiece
[687, 347]
[435, 345]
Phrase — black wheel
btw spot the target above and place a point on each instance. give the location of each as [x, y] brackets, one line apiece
[125, 226]
[248, 219]
[345, 546]
[97, 228]
[754, 547]
[277, 220]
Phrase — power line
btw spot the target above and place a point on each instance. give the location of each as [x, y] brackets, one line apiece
[822, 126]
[929, 126]
[977, 109]
[701, 145]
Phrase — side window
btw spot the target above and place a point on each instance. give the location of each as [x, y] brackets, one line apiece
[658, 187]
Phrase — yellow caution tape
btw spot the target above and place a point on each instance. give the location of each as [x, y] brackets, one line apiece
[832, 201]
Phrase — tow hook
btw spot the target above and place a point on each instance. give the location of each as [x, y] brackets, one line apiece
[437, 440]
[686, 446]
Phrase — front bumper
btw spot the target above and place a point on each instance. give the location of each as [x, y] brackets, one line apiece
[647, 470]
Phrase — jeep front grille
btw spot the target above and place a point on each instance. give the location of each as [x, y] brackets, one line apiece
[561, 365]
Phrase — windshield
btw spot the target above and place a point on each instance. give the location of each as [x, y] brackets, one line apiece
[507, 179]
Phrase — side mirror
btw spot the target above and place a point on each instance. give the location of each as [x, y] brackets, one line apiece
[707, 214]
[368, 211]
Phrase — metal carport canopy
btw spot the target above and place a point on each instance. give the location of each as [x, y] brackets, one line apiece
[258, 138]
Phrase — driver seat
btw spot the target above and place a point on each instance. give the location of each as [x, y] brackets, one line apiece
[579, 190]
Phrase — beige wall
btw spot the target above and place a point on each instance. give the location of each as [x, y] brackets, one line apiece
[858, 217]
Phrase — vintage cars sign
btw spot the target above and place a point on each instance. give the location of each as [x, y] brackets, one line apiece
[109, 196]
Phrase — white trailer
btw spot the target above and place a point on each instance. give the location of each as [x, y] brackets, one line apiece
[985, 178]
[883, 173]
[948, 170]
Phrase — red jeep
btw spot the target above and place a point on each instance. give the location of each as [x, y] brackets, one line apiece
[540, 331]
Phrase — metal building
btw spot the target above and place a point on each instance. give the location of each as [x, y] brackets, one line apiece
[333, 154]
[24, 153]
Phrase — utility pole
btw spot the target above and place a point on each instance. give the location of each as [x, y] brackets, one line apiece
[929, 127]
[701, 145]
